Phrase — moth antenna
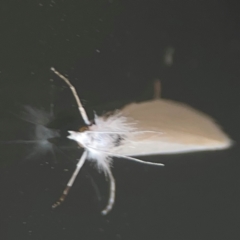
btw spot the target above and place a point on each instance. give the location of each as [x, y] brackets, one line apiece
[74, 92]
[157, 89]
[71, 181]
[112, 190]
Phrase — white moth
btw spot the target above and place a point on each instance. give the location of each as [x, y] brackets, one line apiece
[152, 127]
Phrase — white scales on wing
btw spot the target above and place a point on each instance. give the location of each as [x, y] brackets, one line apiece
[175, 128]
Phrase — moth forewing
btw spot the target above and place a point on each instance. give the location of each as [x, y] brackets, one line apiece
[183, 128]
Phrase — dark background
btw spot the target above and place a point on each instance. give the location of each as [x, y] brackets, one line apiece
[112, 50]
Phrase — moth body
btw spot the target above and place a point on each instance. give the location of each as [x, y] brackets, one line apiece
[104, 138]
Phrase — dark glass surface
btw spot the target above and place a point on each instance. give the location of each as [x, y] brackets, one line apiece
[111, 51]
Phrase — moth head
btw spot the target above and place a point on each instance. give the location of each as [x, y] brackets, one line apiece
[80, 137]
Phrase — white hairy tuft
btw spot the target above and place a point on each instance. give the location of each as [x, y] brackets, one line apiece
[108, 133]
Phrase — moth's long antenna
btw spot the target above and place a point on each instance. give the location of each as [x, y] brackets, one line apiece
[72, 179]
[112, 189]
[80, 107]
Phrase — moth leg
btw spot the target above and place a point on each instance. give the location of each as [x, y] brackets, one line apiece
[112, 190]
[157, 89]
[140, 161]
[71, 181]
[74, 92]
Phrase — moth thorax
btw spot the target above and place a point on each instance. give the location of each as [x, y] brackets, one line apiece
[101, 140]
